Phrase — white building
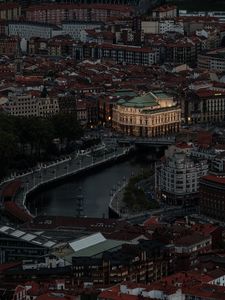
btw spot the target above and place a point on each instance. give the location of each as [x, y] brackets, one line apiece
[161, 26]
[76, 28]
[216, 14]
[28, 105]
[28, 30]
[177, 177]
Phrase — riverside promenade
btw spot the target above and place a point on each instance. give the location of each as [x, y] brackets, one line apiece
[44, 174]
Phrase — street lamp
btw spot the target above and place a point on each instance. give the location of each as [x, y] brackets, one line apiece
[54, 172]
[104, 154]
[66, 168]
[34, 179]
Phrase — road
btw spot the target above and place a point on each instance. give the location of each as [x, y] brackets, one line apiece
[68, 166]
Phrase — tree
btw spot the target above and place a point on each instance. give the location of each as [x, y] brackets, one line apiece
[8, 150]
[66, 127]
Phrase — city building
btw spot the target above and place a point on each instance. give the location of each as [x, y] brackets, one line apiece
[10, 11]
[212, 60]
[28, 105]
[164, 11]
[27, 30]
[102, 261]
[188, 247]
[210, 37]
[141, 6]
[67, 103]
[60, 46]
[212, 196]
[125, 54]
[204, 106]
[152, 114]
[155, 26]
[181, 285]
[75, 28]
[16, 245]
[51, 290]
[81, 112]
[178, 177]
[183, 51]
[107, 101]
[58, 13]
[8, 45]
[218, 163]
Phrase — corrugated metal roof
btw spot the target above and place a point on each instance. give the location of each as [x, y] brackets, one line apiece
[88, 241]
[99, 248]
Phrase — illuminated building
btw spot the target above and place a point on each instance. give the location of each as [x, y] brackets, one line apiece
[149, 115]
[204, 106]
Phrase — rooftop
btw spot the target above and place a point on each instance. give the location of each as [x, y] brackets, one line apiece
[215, 179]
[147, 100]
[190, 240]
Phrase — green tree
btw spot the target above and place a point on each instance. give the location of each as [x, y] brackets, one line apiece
[66, 127]
[8, 150]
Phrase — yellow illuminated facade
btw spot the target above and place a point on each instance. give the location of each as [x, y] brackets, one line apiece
[149, 115]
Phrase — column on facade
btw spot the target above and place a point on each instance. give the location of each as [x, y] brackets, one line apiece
[153, 131]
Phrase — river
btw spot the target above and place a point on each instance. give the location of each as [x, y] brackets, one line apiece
[62, 199]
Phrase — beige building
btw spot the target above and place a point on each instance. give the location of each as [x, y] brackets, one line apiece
[10, 11]
[27, 105]
[165, 11]
[161, 26]
[212, 60]
[149, 115]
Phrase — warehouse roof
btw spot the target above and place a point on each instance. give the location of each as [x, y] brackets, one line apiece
[97, 249]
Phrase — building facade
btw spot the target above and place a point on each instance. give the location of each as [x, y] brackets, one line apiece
[74, 28]
[152, 114]
[212, 197]
[178, 178]
[10, 11]
[57, 13]
[165, 11]
[27, 105]
[28, 30]
[213, 60]
[147, 261]
[8, 45]
[120, 53]
[155, 26]
[204, 106]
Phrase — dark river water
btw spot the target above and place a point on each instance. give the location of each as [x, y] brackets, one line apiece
[96, 187]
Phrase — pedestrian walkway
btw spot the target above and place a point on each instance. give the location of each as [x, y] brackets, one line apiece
[44, 174]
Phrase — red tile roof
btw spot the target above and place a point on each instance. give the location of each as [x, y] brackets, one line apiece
[164, 8]
[214, 178]
[209, 93]
[206, 291]
[205, 229]
[152, 220]
[16, 211]
[4, 6]
[7, 266]
[11, 188]
[56, 296]
[189, 240]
